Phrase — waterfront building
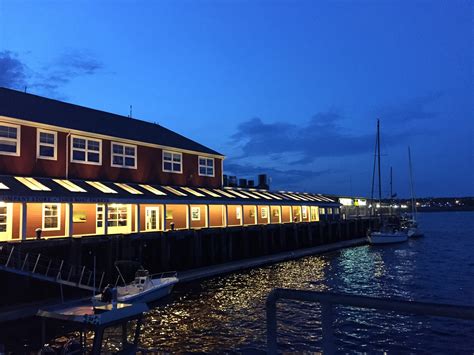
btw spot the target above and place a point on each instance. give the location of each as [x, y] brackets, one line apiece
[68, 171]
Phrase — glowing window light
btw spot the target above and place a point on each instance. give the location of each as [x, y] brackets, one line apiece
[68, 185]
[128, 188]
[250, 194]
[325, 198]
[153, 190]
[302, 198]
[174, 191]
[238, 194]
[210, 193]
[224, 193]
[3, 186]
[192, 192]
[262, 195]
[32, 184]
[101, 187]
[271, 195]
[290, 196]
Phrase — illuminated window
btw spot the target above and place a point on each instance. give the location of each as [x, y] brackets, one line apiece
[128, 188]
[3, 217]
[174, 191]
[124, 155]
[206, 166]
[238, 194]
[261, 195]
[47, 142]
[250, 194]
[51, 213]
[322, 211]
[100, 215]
[32, 184]
[304, 212]
[210, 193]
[264, 212]
[117, 215]
[68, 185]
[193, 192]
[9, 139]
[271, 195]
[172, 162]
[224, 193]
[101, 187]
[153, 190]
[86, 150]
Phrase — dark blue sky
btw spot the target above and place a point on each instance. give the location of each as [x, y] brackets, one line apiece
[291, 88]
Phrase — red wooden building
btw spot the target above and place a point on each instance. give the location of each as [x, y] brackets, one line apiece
[72, 171]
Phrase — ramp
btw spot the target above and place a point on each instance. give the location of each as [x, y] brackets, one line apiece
[44, 268]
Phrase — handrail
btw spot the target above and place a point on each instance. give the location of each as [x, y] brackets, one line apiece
[329, 299]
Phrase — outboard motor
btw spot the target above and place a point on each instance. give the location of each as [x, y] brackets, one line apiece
[107, 294]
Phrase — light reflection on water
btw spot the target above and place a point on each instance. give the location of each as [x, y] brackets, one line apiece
[228, 313]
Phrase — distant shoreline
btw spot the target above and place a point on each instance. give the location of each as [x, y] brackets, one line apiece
[441, 209]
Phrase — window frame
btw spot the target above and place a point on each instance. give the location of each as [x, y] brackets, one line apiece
[172, 155]
[206, 166]
[123, 155]
[43, 228]
[39, 143]
[17, 140]
[85, 150]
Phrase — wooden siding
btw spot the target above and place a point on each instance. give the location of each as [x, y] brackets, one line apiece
[149, 165]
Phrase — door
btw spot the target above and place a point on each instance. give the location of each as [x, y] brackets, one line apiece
[151, 218]
[5, 221]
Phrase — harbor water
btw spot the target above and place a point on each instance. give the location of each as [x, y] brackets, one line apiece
[228, 313]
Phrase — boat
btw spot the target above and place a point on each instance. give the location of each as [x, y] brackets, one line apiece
[409, 223]
[388, 233]
[144, 288]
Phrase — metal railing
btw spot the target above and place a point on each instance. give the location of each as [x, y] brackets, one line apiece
[44, 268]
[328, 300]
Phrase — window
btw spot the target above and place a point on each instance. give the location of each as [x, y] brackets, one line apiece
[206, 166]
[51, 212]
[172, 162]
[3, 217]
[86, 150]
[117, 216]
[46, 144]
[9, 139]
[100, 215]
[124, 155]
[304, 212]
[264, 212]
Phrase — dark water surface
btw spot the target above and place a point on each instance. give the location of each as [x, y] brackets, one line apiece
[228, 313]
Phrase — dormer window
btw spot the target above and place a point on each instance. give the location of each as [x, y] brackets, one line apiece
[46, 144]
[9, 139]
[86, 150]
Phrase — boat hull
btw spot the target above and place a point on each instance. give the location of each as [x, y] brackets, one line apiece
[387, 238]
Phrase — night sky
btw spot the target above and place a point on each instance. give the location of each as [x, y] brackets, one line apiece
[288, 88]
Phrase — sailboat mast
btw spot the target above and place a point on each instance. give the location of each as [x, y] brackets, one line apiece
[378, 158]
[413, 198]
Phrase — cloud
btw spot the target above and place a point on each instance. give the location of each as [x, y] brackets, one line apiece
[321, 136]
[416, 109]
[13, 73]
[16, 74]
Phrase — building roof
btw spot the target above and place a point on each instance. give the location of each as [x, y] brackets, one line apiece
[17, 104]
[26, 189]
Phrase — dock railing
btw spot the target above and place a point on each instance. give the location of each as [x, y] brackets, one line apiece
[328, 300]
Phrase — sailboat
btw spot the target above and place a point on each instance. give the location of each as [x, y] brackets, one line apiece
[388, 233]
[410, 224]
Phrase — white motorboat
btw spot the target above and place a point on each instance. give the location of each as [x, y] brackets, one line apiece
[144, 288]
